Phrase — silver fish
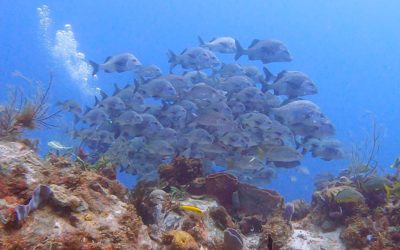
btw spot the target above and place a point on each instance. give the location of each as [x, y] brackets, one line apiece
[267, 51]
[147, 71]
[129, 118]
[160, 88]
[230, 69]
[117, 63]
[70, 106]
[94, 116]
[293, 84]
[57, 145]
[223, 44]
[196, 58]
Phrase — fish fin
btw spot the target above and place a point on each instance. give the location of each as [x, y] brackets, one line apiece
[183, 51]
[96, 101]
[280, 75]
[87, 110]
[239, 50]
[172, 60]
[95, 67]
[116, 89]
[268, 75]
[137, 85]
[254, 42]
[76, 119]
[103, 95]
[266, 87]
[200, 41]
[107, 59]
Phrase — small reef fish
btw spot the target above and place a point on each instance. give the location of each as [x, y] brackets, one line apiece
[117, 63]
[57, 145]
[192, 209]
[223, 44]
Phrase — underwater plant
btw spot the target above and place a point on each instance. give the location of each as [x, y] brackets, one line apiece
[363, 159]
[22, 112]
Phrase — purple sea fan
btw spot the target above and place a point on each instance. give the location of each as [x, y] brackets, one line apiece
[232, 239]
[40, 195]
[288, 212]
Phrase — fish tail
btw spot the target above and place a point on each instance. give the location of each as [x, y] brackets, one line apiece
[201, 41]
[239, 50]
[268, 75]
[95, 67]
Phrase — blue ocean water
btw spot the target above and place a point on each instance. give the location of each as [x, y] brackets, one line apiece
[351, 49]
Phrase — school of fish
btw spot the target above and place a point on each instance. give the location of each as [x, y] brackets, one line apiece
[227, 114]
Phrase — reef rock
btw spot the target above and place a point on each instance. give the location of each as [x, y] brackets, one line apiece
[68, 213]
[181, 171]
[256, 201]
[222, 186]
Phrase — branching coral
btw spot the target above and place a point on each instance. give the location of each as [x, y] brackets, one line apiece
[22, 113]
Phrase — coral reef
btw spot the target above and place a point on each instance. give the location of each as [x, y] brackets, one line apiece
[67, 208]
[58, 204]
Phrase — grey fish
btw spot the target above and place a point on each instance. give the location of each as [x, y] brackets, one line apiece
[250, 96]
[267, 51]
[204, 92]
[293, 84]
[318, 128]
[282, 154]
[234, 139]
[198, 136]
[129, 118]
[214, 119]
[237, 108]
[159, 147]
[297, 112]
[160, 88]
[180, 83]
[147, 71]
[117, 63]
[235, 84]
[94, 116]
[173, 116]
[195, 76]
[230, 69]
[223, 44]
[196, 58]
[70, 106]
[111, 103]
[255, 120]
[253, 72]
[129, 96]
[328, 149]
